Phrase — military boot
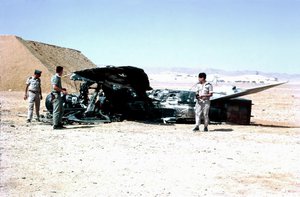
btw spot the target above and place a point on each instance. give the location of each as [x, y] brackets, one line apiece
[196, 129]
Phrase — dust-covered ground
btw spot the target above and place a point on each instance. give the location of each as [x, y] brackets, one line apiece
[142, 159]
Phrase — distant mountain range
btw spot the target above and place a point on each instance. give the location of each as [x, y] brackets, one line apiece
[212, 71]
[195, 71]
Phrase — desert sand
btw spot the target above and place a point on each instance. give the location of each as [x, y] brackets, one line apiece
[144, 159]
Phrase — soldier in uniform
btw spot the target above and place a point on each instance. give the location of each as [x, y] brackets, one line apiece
[33, 92]
[203, 93]
[57, 99]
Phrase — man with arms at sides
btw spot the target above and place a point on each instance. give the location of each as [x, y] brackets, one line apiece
[33, 92]
[203, 93]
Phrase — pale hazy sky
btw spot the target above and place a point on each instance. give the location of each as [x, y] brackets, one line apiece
[261, 35]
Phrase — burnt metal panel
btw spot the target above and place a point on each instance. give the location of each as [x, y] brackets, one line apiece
[236, 111]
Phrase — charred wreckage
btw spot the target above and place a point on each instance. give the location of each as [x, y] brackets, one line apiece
[111, 93]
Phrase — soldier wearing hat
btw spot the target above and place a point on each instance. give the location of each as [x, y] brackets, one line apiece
[33, 92]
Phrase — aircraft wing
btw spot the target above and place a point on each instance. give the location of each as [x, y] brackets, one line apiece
[246, 91]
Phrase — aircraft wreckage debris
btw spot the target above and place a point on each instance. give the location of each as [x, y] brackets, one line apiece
[111, 93]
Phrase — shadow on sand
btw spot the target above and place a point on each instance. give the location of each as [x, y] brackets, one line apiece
[80, 127]
[221, 130]
[275, 126]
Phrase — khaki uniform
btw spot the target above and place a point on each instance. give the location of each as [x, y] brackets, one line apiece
[34, 87]
[57, 101]
[203, 105]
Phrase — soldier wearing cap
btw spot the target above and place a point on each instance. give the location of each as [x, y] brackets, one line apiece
[33, 92]
[57, 99]
[203, 93]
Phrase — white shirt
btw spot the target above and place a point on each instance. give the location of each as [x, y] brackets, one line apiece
[34, 84]
[204, 89]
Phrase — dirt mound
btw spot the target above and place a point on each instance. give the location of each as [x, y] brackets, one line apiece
[19, 58]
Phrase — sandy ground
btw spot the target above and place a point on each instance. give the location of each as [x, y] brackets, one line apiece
[142, 159]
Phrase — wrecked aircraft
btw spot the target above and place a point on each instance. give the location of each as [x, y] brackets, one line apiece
[107, 94]
[178, 105]
[116, 93]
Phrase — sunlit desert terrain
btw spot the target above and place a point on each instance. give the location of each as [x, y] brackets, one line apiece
[144, 159]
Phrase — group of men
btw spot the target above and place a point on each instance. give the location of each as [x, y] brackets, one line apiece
[33, 92]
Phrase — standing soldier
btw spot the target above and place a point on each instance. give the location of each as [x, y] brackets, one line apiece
[203, 93]
[33, 92]
[57, 100]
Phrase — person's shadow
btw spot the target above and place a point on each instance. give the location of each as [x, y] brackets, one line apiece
[221, 130]
[81, 127]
